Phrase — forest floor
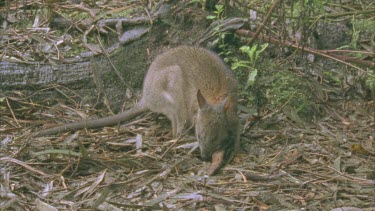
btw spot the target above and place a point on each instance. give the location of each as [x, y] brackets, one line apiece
[326, 164]
[139, 166]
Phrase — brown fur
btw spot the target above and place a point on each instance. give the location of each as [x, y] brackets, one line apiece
[189, 85]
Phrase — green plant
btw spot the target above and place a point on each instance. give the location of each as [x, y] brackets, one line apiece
[251, 64]
[355, 36]
[2, 107]
[364, 24]
[218, 16]
[370, 83]
[218, 13]
[285, 91]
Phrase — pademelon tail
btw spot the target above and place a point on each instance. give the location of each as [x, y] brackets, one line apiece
[97, 123]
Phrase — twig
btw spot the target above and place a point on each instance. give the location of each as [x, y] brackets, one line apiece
[263, 22]
[113, 66]
[179, 138]
[340, 14]
[80, 7]
[149, 17]
[359, 180]
[164, 173]
[10, 159]
[11, 111]
[348, 51]
[243, 32]
[65, 95]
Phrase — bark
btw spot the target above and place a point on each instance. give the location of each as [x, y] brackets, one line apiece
[24, 74]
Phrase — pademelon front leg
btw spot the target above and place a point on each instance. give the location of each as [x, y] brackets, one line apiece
[178, 123]
[165, 94]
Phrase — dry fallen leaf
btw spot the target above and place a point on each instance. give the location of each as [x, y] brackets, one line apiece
[217, 161]
[359, 149]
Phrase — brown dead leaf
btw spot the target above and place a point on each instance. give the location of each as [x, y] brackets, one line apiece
[359, 149]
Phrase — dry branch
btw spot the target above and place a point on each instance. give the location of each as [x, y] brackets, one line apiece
[263, 22]
[342, 59]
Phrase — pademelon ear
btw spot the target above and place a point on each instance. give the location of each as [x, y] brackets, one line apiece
[201, 100]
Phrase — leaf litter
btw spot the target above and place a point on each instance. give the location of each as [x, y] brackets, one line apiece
[139, 166]
[326, 166]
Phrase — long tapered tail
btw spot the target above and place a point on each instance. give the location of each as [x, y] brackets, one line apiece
[97, 123]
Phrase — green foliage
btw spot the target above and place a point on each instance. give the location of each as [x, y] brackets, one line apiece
[370, 83]
[309, 7]
[364, 24]
[317, 6]
[355, 36]
[250, 64]
[2, 108]
[218, 16]
[283, 89]
[19, 21]
[77, 15]
[360, 26]
[253, 52]
[333, 77]
[218, 13]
